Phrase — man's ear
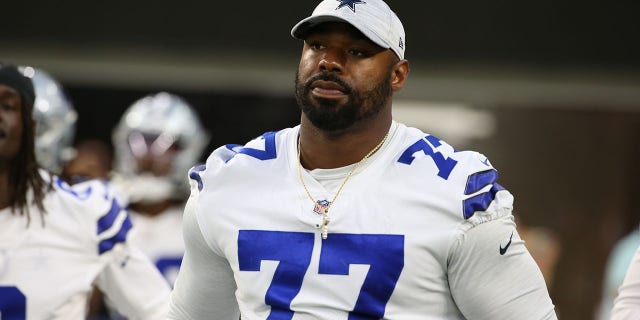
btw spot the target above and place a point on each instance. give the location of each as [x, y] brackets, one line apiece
[399, 74]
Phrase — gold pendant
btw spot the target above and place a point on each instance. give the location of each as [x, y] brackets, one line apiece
[325, 225]
[322, 208]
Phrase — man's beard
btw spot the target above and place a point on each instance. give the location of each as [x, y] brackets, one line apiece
[328, 116]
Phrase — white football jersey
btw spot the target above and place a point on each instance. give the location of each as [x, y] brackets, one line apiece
[420, 231]
[48, 266]
[160, 238]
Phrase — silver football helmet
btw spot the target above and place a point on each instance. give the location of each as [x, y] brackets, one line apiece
[55, 119]
[159, 127]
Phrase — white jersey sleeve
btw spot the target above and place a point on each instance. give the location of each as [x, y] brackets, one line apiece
[202, 272]
[491, 273]
[627, 304]
[508, 285]
[133, 285]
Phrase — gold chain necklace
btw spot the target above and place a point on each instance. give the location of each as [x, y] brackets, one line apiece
[323, 206]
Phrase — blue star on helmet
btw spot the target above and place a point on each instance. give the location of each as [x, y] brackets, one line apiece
[350, 3]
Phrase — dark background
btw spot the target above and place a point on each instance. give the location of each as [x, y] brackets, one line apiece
[545, 33]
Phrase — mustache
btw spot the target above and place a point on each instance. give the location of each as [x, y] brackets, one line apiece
[328, 77]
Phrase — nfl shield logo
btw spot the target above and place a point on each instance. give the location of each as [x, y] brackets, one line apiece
[321, 206]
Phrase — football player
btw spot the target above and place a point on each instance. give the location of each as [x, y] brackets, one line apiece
[57, 240]
[352, 215]
[158, 138]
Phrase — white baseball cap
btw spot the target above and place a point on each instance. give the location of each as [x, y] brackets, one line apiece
[373, 18]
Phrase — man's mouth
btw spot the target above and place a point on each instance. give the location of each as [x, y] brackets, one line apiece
[327, 89]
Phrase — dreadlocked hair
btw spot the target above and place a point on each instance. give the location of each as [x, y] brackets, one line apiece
[25, 174]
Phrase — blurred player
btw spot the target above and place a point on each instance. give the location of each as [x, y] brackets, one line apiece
[92, 159]
[157, 140]
[57, 240]
[616, 268]
[352, 215]
[626, 305]
[55, 119]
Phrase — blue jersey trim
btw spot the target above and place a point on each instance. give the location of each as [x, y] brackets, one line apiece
[194, 174]
[108, 244]
[106, 221]
[480, 202]
[480, 180]
[62, 185]
[269, 151]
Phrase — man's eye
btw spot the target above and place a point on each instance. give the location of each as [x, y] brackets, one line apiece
[357, 53]
[316, 46]
[7, 106]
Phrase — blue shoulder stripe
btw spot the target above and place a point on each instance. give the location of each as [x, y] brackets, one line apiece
[106, 221]
[481, 201]
[479, 180]
[108, 244]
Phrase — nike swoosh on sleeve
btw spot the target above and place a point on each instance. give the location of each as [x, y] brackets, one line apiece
[504, 250]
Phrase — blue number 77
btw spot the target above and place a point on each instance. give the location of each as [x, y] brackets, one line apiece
[383, 253]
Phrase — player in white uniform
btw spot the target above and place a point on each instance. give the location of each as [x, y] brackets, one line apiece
[157, 140]
[57, 240]
[627, 304]
[352, 215]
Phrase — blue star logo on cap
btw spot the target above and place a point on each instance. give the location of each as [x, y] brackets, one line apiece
[349, 3]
